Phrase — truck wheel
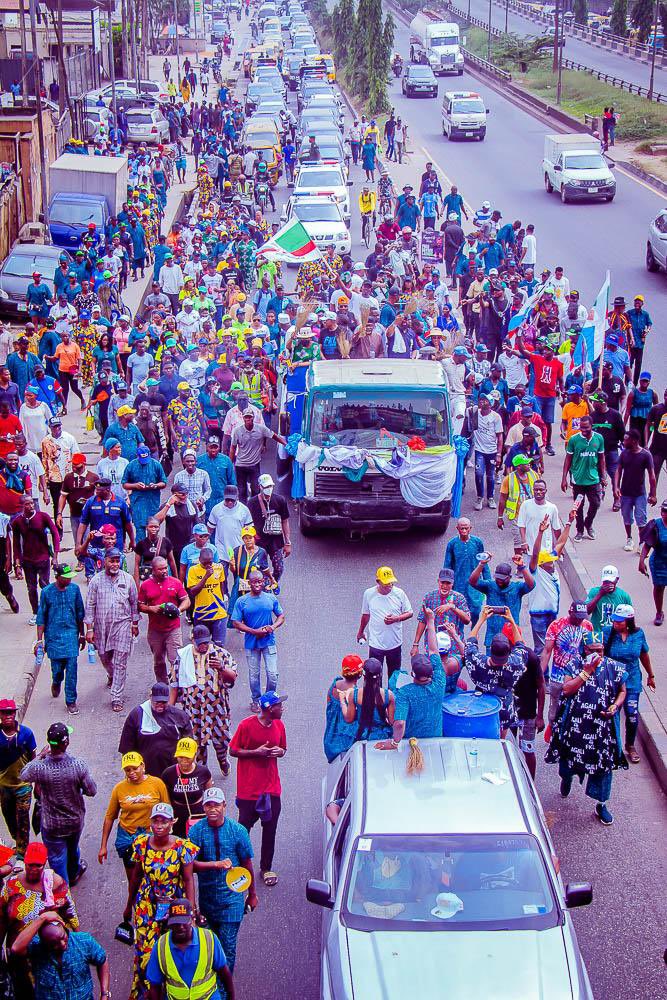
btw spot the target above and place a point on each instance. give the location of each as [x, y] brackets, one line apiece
[460, 73]
[651, 263]
[307, 525]
[547, 183]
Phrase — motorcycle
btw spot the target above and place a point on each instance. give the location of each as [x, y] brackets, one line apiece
[262, 195]
[397, 66]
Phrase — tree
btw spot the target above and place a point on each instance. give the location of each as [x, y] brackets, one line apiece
[663, 17]
[642, 18]
[580, 11]
[619, 18]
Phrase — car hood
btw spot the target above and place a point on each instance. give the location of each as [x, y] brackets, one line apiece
[461, 964]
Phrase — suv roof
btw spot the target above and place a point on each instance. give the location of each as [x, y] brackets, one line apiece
[446, 797]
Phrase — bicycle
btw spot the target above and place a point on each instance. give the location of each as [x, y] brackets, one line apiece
[385, 206]
[367, 220]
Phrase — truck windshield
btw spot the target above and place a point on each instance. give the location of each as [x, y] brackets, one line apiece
[76, 213]
[445, 40]
[372, 419]
[590, 162]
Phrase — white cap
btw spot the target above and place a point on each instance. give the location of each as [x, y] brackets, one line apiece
[213, 795]
[486, 204]
[265, 480]
[283, 318]
[444, 642]
[359, 266]
[610, 573]
[453, 217]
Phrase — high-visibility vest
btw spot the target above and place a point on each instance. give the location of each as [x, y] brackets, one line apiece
[253, 386]
[204, 982]
[512, 502]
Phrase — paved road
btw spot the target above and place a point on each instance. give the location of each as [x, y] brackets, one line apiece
[621, 933]
[586, 238]
[578, 49]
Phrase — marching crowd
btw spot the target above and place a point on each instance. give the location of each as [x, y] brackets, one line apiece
[178, 525]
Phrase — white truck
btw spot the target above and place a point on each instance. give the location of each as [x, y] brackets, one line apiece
[574, 166]
[436, 43]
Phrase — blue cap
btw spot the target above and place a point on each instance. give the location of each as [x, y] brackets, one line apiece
[84, 314]
[481, 347]
[646, 375]
[143, 450]
[613, 339]
[574, 388]
[113, 553]
[270, 699]
[462, 352]
[111, 443]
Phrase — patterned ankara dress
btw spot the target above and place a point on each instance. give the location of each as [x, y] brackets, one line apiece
[207, 704]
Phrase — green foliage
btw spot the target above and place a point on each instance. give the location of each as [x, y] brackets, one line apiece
[642, 18]
[662, 11]
[362, 42]
[580, 11]
[619, 18]
[511, 50]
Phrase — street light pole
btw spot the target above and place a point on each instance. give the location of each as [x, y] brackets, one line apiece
[488, 37]
[507, 14]
[112, 70]
[178, 46]
[559, 86]
[654, 49]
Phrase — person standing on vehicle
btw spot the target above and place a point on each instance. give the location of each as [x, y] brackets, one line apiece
[63, 782]
[258, 743]
[584, 464]
[384, 608]
[223, 843]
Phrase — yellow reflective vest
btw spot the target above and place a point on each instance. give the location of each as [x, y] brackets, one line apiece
[512, 502]
[204, 982]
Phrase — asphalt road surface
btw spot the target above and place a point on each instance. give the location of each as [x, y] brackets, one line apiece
[622, 933]
[578, 49]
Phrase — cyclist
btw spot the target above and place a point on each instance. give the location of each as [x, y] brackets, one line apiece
[385, 194]
[367, 203]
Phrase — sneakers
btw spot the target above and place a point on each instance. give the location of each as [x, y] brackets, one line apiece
[492, 503]
[73, 709]
[629, 546]
[579, 537]
[32, 620]
[603, 814]
[549, 450]
[55, 690]
[590, 533]
[659, 618]
[565, 786]
[479, 503]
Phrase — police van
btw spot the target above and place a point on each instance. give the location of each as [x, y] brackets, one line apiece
[463, 115]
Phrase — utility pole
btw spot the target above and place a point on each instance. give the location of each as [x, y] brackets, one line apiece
[654, 49]
[112, 71]
[559, 86]
[178, 44]
[554, 64]
[24, 58]
[36, 75]
[135, 58]
[507, 14]
[488, 36]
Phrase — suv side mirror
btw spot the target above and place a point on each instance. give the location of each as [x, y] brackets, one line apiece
[578, 894]
[319, 892]
[558, 169]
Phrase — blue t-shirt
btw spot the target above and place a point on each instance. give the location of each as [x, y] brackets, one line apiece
[18, 747]
[420, 705]
[628, 654]
[185, 961]
[255, 612]
[190, 554]
[509, 597]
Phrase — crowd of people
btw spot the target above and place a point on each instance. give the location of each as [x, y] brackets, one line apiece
[178, 527]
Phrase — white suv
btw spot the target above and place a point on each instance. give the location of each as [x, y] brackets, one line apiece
[322, 220]
[316, 180]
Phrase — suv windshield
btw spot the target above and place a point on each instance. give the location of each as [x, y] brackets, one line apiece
[322, 212]
[375, 419]
[320, 179]
[457, 882]
[420, 71]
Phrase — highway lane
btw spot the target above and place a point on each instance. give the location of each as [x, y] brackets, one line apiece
[578, 49]
[586, 237]
[620, 934]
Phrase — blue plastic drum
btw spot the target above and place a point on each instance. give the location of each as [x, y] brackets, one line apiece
[471, 714]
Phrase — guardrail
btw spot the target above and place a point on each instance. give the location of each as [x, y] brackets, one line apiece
[615, 81]
[483, 64]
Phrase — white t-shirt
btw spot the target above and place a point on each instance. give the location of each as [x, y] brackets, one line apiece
[35, 420]
[226, 523]
[530, 256]
[113, 469]
[33, 466]
[377, 605]
[358, 302]
[484, 437]
[531, 515]
[545, 595]
[514, 368]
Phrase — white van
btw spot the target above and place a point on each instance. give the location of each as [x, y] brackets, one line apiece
[575, 168]
[463, 115]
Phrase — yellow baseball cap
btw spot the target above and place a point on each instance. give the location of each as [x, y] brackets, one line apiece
[131, 759]
[186, 747]
[385, 574]
[546, 557]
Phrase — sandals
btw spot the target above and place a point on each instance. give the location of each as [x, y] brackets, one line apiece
[269, 878]
[632, 755]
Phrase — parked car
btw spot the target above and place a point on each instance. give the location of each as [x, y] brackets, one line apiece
[419, 79]
[147, 126]
[656, 245]
[17, 271]
[445, 883]
[92, 119]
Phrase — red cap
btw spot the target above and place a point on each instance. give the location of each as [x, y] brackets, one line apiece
[91, 225]
[37, 274]
[36, 854]
[352, 665]
[7, 705]
[108, 529]
[78, 458]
